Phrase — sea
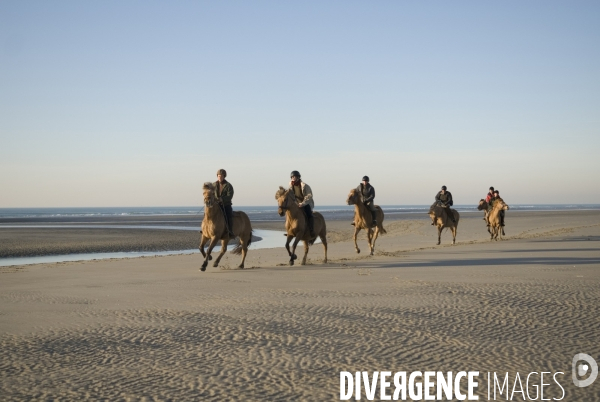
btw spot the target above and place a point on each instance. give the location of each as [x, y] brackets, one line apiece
[255, 213]
[188, 218]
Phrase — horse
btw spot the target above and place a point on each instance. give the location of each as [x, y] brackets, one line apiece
[363, 219]
[214, 228]
[439, 217]
[296, 225]
[496, 230]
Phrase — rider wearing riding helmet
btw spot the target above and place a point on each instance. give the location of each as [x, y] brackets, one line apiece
[304, 197]
[367, 196]
[444, 199]
[224, 191]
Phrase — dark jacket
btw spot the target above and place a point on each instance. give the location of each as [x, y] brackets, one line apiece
[367, 193]
[226, 194]
[445, 199]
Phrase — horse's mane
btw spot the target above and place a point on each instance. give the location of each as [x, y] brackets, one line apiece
[280, 192]
[208, 186]
[481, 202]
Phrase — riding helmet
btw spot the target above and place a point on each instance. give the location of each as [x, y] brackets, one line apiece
[492, 188]
[222, 172]
[365, 178]
[295, 173]
[444, 188]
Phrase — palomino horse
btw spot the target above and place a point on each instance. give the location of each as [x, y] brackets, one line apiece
[363, 219]
[440, 218]
[496, 228]
[296, 225]
[214, 228]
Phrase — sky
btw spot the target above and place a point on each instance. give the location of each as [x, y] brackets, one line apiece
[138, 103]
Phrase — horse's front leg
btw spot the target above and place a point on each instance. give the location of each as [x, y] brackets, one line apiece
[287, 247]
[293, 253]
[213, 243]
[439, 228]
[454, 235]
[223, 250]
[356, 230]
[203, 240]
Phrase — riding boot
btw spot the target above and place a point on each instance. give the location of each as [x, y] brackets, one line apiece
[450, 214]
[374, 215]
[229, 218]
[311, 226]
[502, 218]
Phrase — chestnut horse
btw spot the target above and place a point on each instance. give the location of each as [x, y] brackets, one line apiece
[296, 225]
[363, 219]
[214, 228]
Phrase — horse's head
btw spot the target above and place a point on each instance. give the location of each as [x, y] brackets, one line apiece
[208, 191]
[352, 197]
[432, 214]
[501, 205]
[283, 202]
[482, 204]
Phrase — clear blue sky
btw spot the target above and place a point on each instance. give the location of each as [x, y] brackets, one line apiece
[137, 103]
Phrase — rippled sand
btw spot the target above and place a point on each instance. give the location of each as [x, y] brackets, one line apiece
[158, 329]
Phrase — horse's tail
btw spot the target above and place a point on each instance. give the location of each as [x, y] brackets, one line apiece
[237, 250]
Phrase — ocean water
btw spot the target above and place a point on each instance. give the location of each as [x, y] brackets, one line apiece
[255, 213]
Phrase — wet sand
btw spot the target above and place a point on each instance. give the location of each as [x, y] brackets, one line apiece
[158, 329]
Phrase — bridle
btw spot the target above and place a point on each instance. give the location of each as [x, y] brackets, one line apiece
[209, 201]
[284, 205]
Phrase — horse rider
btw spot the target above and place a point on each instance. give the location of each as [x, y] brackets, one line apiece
[491, 206]
[488, 199]
[367, 196]
[444, 199]
[304, 197]
[224, 196]
[489, 195]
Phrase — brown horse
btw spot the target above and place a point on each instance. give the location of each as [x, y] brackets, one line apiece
[440, 218]
[296, 225]
[363, 219]
[496, 230]
[214, 228]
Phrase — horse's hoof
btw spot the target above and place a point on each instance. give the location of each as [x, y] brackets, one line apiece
[291, 262]
[210, 257]
[216, 264]
[203, 268]
[438, 243]
[241, 266]
[357, 251]
[294, 257]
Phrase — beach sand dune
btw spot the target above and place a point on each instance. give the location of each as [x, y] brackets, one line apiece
[157, 329]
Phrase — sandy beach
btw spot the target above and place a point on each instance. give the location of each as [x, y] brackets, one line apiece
[158, 329]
